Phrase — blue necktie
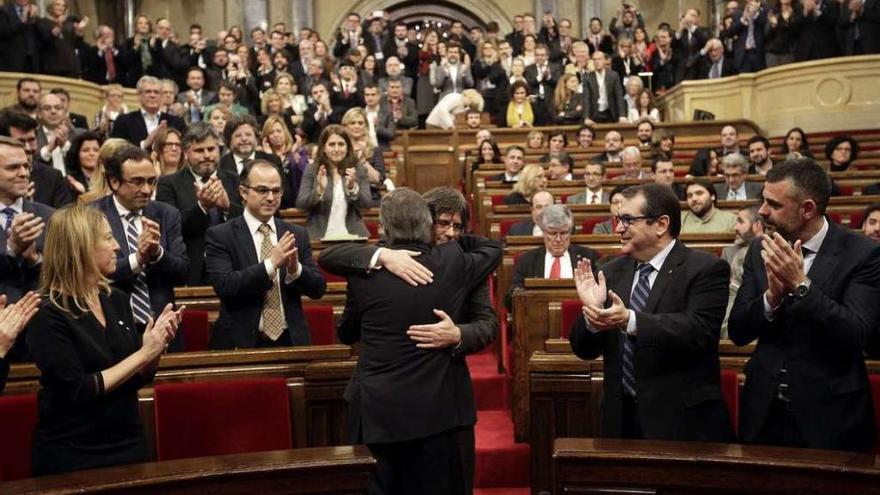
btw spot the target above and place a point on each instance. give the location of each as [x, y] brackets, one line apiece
[637, 303]
[10, 214]
[140, 293]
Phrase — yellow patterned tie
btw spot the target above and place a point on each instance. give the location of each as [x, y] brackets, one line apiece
[273, 321]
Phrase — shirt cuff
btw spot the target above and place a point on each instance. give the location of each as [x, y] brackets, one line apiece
[374, 261]
[45, 155]
[590, 327]
[292, 277]
[134, 264]
[270, 270]
[768, 310]
[631, 329]
[161, 254]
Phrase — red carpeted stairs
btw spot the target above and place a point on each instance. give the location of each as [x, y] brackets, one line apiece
[502, 466]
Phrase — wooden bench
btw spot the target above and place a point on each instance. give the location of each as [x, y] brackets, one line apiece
[588, 465]
[313, 471]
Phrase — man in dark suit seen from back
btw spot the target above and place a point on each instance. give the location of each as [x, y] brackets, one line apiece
[204, 195]
[558, 258]
[140, 126]
[410, 397]
[261, 267]
[809, 297]
[151, 259]
[48, 186]
[655, 314]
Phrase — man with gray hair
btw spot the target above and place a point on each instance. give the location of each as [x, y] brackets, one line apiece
[735, 187]
[631, 162]
[409, 403]
[557, 258]
[141, 126]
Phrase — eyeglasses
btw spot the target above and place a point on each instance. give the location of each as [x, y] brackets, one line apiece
[172, 145]
[445, 224]
[139, 182]
[264, 191]
[626, 220]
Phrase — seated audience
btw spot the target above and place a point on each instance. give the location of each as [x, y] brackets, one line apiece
[644, 133]
[532, 226]
[613, 148]
[585, 136]
[88, 402]
[795, 144]
[631, 164]
[559, 167]
[514, 158]
[531, 180]
[663, 170]
[702, 215]
[536, 140]
[730, 141]
[609, 226]
[335, 188]
[644, 109]
[290, 150]
[594, 176]
[705, 163]
[487, 153]
[260, 303]
[558, 257]
[663, 144]
[760, 160]
[735, 186]
[556, 143]
[841, 151]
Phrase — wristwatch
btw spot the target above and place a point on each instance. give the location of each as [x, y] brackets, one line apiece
[801, 290]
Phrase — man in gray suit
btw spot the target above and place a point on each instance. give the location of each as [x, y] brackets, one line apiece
[735, 186]
[401, 106]
[453, 76]
[603, 93]
[594, 176]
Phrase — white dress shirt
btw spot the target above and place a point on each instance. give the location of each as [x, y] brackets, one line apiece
[565, 269]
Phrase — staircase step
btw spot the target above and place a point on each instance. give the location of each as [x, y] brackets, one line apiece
[500, 462]
[491, 390]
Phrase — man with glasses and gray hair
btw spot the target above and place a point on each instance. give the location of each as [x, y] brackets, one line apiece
[558, 257]
[735, 186]
[655, 315]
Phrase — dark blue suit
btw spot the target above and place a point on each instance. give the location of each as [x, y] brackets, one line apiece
[751, 60]
[164, 274]
[132, 127]
[241, 282]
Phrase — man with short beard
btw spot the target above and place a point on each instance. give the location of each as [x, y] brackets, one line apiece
[406, 53]
[749, 225]
[871, 222]
[702, 215]
[760, 161]
[644, 132]
[28, 93]
[204, 195]
[241, 136]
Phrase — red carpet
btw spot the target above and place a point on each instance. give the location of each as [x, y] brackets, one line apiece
[502, 466]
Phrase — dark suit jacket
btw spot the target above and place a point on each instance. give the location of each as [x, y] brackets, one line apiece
[868, 25]
[50, 187]
[95, 64]
[164, 274]
[18, 41]
[288, 200]
[400, 392]
[705, 66]
[241, 282]
[313, 127]
[522, 228]
[16, 278]
[531, 265]
[688, 48]
[409, 119]
[742, 30]
[613, 90]
[819, 340]
[178, 190]
[815, 37]
[753, 190]
[132, 128]
[676, 354]
[479, 326]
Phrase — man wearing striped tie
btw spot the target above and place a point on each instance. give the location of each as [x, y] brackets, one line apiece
[655, 315]
[152, 256]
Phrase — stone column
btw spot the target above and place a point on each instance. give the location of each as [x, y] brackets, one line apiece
[255, 14]
[128, 16]
[302, 15]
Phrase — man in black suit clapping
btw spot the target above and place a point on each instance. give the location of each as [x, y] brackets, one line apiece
[140, 126]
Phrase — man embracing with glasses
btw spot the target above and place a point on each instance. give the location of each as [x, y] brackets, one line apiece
[151, 258]
[260, 267]
[655, 315]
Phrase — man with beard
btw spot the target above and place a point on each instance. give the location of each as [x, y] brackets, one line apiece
[406, 53]
[749, 225]
[702, 215]
[654, 314]
[242, 136]
[204, 195]
[28, 94]
[871, 221]
[760, 161]
[809, 297]
[644, 133]
[151, 258]
[449, 212]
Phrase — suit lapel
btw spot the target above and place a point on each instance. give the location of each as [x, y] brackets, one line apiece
[245, 242]
[826, 259]
[668, 274]
[623, 279]
[115, 225]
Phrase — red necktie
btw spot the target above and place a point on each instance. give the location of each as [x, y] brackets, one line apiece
[556, 269]
[111, 65]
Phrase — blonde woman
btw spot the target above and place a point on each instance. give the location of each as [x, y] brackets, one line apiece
[289, 149]
[270, 106]
[532, 179]
[335, 188]
[355, 123]
[113, 107]
[98, 186]
[568, 108]
[443, 114]
[91, 356]
[292, 104]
